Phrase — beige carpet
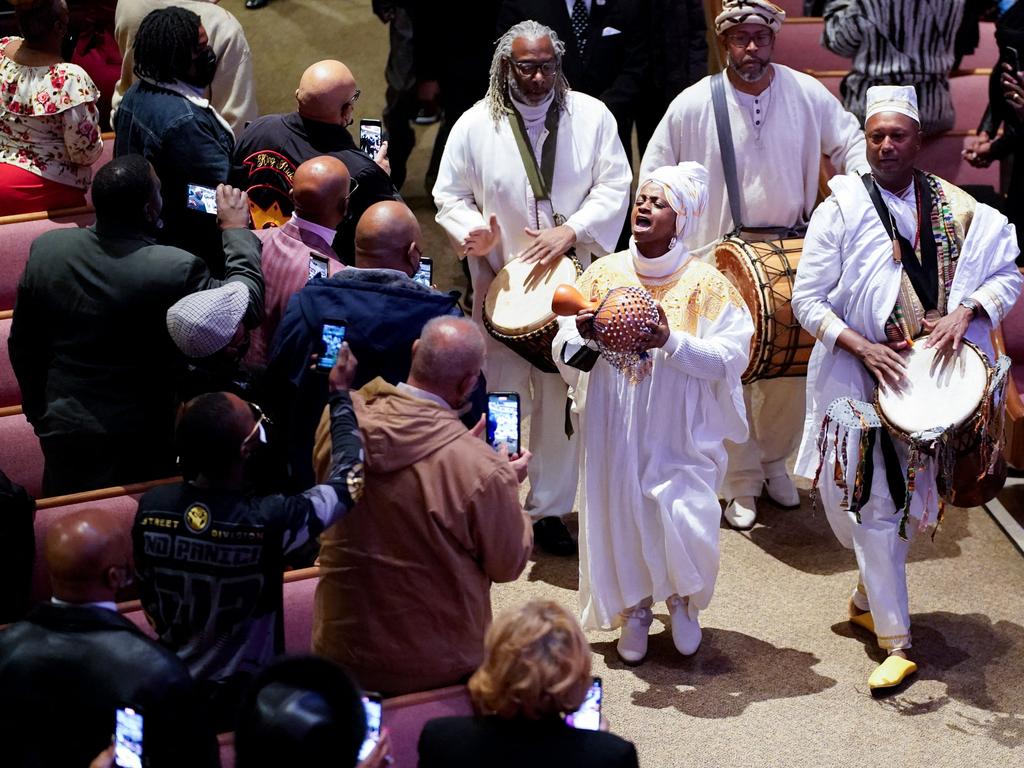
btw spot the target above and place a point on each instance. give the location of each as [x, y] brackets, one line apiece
[780, 679]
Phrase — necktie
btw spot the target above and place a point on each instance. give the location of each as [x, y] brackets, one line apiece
[580, 21]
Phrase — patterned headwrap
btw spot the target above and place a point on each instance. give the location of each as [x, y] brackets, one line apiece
[761, 12]
[686, 190]
[892, 98]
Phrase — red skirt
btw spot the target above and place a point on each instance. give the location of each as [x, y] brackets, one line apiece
[22, 191]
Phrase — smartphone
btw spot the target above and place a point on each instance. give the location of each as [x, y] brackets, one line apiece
[332, 333]
[128, 738]
[317, 265]
[373, 709]
[425, 274]
[588, 716]
[1012, 57]
[371, 135]
[503, 421]
[202, 199]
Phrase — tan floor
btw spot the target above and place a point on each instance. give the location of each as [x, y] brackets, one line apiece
[781, 680]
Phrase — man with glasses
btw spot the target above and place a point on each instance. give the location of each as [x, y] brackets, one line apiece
[210, 557]
[780, 122]
[533, 171]
[274, 146]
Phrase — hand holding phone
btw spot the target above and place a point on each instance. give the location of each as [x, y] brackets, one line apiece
[371, 136]
[425, 274]
[202, 199]
[332, 334]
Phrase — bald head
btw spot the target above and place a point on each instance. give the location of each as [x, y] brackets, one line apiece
[325, 93]
[387, 237]
[447, 358]
[89, 556]
[320, 191]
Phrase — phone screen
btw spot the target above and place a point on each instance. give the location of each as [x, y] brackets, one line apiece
[370, 136]
[588, 716]
[332, 334]
[1013, 59]
[503, 421]
[372, 707]
[202, 199]
[318, 266]
[128, 738]
[425, 274]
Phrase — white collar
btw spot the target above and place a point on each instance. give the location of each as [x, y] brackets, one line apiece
[109, 605]
[532, 113]
[324, 233]
[662, 266]
[423, 394]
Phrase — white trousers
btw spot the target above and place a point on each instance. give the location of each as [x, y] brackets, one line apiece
[881, 560]
[554, 468]
[775, 412]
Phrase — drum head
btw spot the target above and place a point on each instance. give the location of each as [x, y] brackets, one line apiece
[515, 309]
[933, 395]
[733, 261]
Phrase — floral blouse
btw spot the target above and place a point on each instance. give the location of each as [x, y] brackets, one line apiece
[49, 123]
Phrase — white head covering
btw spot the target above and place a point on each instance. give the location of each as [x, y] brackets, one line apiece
[735, 12]
[204, 322]
[892, 98]
[686, 190]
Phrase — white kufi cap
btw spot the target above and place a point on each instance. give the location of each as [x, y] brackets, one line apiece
[892, 98]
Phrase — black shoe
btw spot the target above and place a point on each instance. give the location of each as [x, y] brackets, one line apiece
[254, 4]
[551, 535]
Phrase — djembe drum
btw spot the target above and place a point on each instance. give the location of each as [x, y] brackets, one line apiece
[517, 311]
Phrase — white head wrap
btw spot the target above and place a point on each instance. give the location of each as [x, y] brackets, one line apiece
[892, 98]
[735, 12]
[204, 322]
[686, 190]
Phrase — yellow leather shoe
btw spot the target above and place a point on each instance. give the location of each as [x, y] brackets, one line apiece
[863, 620]
[891, 672]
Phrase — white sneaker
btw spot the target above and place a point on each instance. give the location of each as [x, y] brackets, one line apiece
[782, 491]
[741, 512]
[686, 632]
[632, 645]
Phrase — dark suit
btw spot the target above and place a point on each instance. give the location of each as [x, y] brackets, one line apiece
[90, 348]
[64, 671]
[453, 742]
[613, 67]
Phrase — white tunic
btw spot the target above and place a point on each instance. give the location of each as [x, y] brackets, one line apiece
[482, 173]
[778, 174]
[652, 450]
[848, 278]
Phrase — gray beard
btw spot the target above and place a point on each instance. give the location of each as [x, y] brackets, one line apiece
[518, 95]
[748, 78]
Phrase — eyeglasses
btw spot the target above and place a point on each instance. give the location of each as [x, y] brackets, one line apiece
[261, 419]
[529, 68]
[742, 39]
[354, 99]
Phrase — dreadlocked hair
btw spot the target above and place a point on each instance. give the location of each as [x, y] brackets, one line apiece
[165, 43]
[498, 100]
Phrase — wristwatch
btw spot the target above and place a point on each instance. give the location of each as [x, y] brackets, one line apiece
[972, 305]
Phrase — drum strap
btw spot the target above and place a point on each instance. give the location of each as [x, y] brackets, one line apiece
[541, 177]
[732, 186]
[923, 274]
[893, 473]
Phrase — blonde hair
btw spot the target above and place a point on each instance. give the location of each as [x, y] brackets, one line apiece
[536, 664]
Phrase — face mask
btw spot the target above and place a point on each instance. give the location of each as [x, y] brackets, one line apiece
[205, 68]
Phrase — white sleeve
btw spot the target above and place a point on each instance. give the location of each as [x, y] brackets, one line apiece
[842, 139]
[821, 264]
[599, 218]
[457, 210]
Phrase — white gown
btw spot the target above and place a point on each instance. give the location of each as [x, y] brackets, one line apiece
[653, 450]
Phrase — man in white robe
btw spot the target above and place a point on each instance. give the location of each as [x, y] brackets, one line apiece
[487, 206]
[653, 435]
[782, 121]
[847, 288]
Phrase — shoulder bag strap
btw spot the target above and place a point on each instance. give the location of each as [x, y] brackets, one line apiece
[540, 178]
[732, 186]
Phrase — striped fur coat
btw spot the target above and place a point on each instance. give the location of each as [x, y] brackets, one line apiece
[897, 42]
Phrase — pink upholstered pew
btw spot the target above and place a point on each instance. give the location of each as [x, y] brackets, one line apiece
[10, 394]
[405, 716]
[798, 45]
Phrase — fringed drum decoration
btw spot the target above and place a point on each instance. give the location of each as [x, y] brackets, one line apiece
[947, 411]
[622, 322]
